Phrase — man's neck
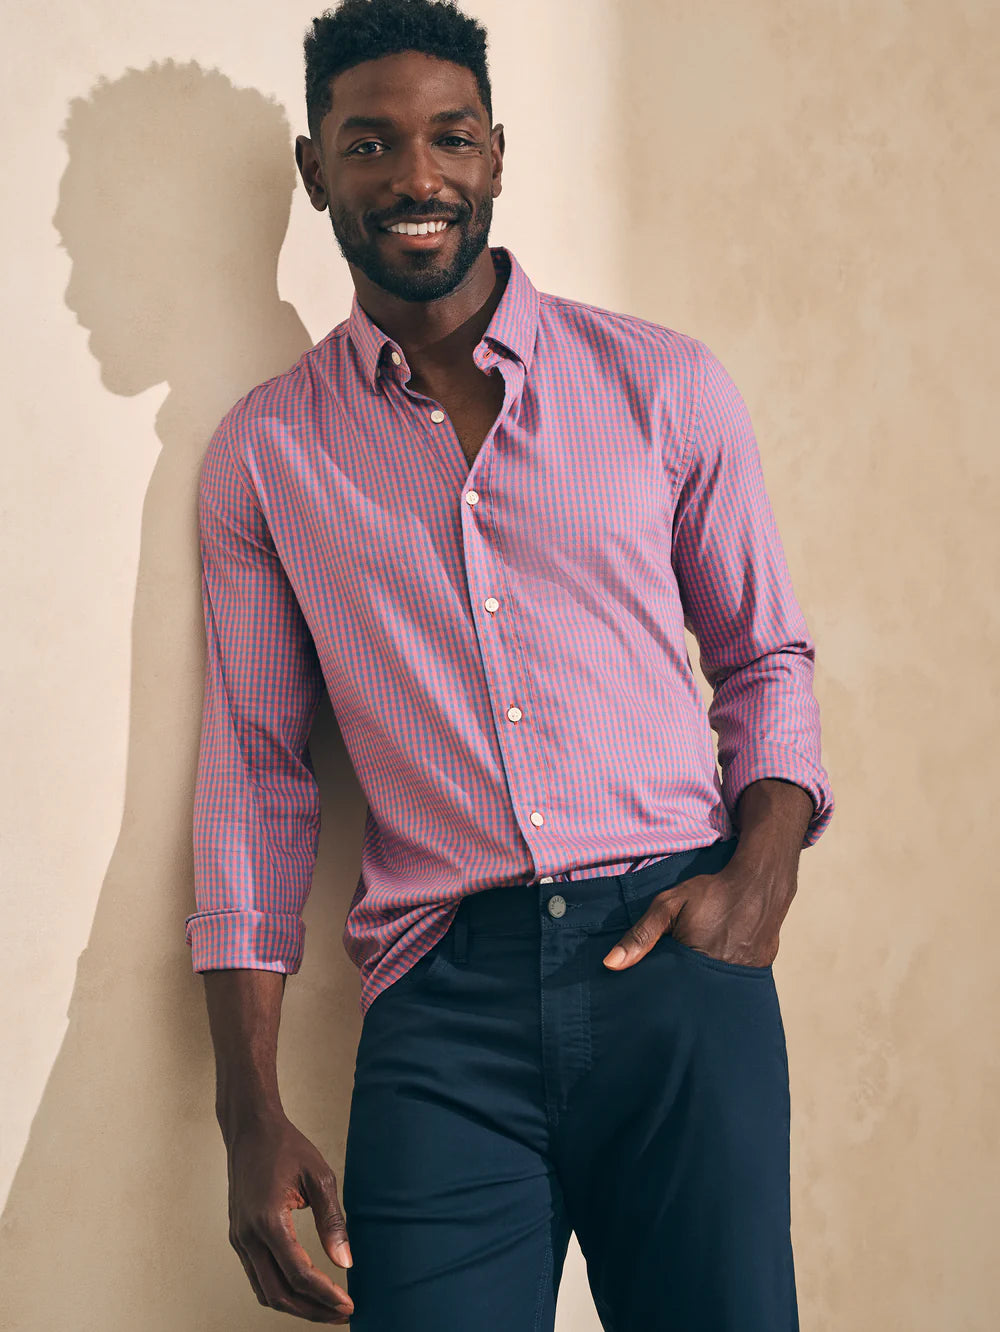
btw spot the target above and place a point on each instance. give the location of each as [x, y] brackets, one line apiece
[438, 337]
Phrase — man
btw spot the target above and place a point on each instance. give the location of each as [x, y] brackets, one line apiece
[481, 516]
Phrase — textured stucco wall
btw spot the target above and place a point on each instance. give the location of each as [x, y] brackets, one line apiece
[811, 189]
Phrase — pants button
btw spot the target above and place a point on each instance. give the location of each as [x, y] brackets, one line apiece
[557, 906]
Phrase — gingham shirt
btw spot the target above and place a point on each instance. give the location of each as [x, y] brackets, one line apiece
[503, 647]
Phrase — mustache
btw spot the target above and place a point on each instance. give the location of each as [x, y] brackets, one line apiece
[432, 210]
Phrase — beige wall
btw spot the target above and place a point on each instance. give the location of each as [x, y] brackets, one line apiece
[811, 189]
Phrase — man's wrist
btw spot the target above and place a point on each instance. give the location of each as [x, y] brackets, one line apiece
[772, 816]
[239, 1113]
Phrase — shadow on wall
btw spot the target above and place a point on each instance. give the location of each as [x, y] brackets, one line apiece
[173, 208]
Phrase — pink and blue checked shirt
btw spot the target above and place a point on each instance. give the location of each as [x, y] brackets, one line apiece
[503, 647]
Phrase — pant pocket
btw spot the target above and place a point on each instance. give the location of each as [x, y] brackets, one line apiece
[716, 963]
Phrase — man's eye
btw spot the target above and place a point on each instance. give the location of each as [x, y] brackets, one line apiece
[375, 143]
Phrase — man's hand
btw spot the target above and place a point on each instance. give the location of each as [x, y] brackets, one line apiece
[734, 915]
[274, 1169]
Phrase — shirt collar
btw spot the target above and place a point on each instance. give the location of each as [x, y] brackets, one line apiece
[513, 326]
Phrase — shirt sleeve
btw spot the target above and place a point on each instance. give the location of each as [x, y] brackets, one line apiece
[756, 650]
[256, 803]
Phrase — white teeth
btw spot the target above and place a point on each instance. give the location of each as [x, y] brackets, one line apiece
[417, 228]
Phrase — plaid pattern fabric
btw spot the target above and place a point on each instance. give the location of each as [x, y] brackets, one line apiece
[503, 647]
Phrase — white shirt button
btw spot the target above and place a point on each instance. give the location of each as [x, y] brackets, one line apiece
[513, 714]
[472, 497]
[397, 359]
[491, 604]
[546, 878]
[437, 415]
[536, 818]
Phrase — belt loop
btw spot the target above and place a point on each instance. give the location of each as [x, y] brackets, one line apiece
[460, 943]
[632, 912]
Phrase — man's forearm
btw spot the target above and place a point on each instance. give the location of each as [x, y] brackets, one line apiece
[772, 816]
[244, 1010]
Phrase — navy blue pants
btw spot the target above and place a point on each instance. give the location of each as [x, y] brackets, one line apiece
[510, 1089]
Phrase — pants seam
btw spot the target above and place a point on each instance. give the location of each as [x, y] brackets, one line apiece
[545, 1278]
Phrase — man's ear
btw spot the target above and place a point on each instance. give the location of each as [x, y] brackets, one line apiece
[497, 149]
[311, 171]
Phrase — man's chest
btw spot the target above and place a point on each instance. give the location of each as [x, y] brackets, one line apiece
[374, 512]
[472, 415]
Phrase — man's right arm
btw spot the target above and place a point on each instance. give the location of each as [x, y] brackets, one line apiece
[256, 832]
[256, 802]
[244, 1010]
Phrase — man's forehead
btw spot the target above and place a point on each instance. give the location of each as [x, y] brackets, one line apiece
[401, 87]
[448, 117]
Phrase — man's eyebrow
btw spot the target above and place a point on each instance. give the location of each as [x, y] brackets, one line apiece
[386, 122]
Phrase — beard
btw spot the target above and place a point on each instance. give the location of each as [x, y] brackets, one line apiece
[418, 276]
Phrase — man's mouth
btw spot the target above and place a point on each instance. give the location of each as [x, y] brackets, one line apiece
[428, 227]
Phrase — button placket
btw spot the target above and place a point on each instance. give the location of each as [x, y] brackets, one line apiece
[492, 605]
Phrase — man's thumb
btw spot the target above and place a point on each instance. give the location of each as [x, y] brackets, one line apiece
[325, 1204]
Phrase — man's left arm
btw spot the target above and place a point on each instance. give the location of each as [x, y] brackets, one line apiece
[756, 650]
[758, 656]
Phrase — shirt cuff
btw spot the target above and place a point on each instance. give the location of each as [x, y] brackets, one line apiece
[262, 941]
[772, 759]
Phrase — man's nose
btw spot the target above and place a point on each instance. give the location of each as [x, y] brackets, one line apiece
[417, 174]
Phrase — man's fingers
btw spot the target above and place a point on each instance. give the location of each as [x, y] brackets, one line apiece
[297, 1267]
[637, 941]
[280, 1295]
[248, 1267]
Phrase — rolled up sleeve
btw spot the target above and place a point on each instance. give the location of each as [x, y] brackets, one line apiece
[756, 650]
[256, 803]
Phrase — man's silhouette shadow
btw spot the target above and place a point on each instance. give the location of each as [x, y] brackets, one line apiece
[173, 208]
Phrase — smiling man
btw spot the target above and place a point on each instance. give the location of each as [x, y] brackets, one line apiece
[480, 517]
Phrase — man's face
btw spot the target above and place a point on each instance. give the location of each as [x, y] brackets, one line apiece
[408, 140]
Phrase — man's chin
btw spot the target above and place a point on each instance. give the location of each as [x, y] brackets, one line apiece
[406, 289]
[427, 279]
[412, 274]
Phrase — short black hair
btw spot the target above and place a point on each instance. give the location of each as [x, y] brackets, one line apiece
[359, 30]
